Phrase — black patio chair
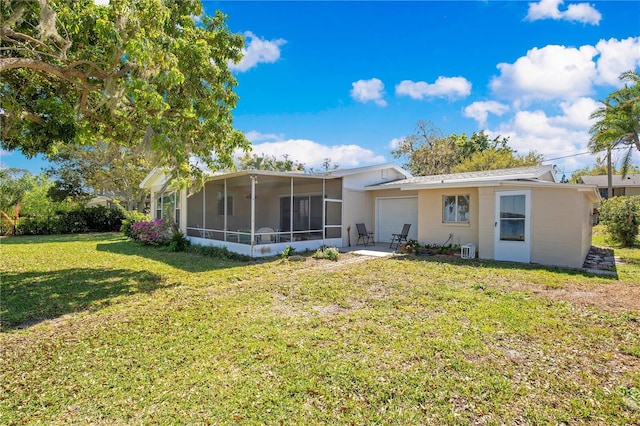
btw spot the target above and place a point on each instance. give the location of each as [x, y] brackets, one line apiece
[402, 236]
[364, 235]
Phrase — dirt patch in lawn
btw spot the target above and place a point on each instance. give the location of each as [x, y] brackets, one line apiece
[605, 296]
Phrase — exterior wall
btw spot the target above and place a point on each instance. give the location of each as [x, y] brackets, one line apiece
[357, 207]
[361, 180]
[486, 222]
[560, 235]
[431, 227]
[631, 191]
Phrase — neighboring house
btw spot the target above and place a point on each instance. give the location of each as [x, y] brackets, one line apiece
[629, 185]
[521, 214]
[100, 200]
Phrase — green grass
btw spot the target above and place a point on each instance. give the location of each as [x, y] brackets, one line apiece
[117, 333]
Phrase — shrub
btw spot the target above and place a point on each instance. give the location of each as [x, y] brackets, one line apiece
[77, 220]
[330, 253]
[621, 217]
[411, 246]
[178, 242]
[216, 252]
[131, 217]
[288, 251]
[154, 233]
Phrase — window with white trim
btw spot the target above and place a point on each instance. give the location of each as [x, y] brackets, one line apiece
[455, 208]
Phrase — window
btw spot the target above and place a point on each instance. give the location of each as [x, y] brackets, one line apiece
[220, 198]
[455, 208]
[168, 207]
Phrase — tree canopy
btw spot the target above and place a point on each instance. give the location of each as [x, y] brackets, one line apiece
[429, 152]
[268, 162]
[618, 120]
[116, 171]
[147, 75]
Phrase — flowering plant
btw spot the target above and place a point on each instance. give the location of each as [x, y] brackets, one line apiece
[154, 233]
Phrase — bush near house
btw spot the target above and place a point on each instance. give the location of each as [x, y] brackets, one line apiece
[75, 221]
[621, 217]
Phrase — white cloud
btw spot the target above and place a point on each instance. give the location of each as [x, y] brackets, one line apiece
[554, 136]
[254, 136]
[395, 143]
[560, 72]
[479, 111]
[257, 51]
[444, 87]
[577, 12]
[576, 114]
[368, 90]
[312, 154]
[616, 57]
[548, 73]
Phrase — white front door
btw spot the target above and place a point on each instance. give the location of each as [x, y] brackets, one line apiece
[513, 226]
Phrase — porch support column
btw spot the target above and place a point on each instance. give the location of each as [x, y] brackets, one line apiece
[291, 213]
[254, 178]
[324, 211]
[226, 209]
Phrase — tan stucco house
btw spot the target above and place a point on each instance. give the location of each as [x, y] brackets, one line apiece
[521, 215]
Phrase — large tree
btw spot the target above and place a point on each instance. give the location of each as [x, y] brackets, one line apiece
[429, 152]
[493, 159]
[100, 169]
[618, 123]
[148, 75]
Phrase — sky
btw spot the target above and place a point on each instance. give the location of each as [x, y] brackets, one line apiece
[349, 80]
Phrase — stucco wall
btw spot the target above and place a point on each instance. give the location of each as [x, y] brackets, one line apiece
[631, 191]
[357, 207]
[431, 227]
[560, 227]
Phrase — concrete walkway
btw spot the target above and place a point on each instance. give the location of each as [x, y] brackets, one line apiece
[375, 250]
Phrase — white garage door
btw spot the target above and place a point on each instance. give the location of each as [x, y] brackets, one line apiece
[392, 214]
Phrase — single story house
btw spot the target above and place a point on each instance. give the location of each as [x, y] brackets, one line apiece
[628, 185]
[520, 214]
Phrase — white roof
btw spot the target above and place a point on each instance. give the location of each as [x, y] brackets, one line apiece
[531, 173]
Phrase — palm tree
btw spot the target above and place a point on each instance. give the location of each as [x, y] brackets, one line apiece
[618, 123]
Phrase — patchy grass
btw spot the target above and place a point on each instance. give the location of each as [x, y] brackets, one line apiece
[117, 333]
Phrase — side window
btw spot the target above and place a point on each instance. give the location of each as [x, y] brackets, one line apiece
[455, 208]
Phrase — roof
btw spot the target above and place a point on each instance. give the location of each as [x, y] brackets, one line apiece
[364, 169]
[617, 180]
[157, 176]
[531, 173]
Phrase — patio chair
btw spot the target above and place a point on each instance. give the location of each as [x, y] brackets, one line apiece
[402, 236]
[364, 235]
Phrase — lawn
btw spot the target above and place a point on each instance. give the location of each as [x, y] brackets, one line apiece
[99, 330]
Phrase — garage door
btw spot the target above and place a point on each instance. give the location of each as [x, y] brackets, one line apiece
[392, 213]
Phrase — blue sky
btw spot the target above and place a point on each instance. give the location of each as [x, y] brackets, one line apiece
[348, 80]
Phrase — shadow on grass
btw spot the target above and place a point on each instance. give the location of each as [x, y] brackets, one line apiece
[455, 260]
[189, 262]
[31, 297]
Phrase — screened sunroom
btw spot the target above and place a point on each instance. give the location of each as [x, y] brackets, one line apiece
[259, 213]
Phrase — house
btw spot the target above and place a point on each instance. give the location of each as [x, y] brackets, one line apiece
[521, 214]
[628, 185]
[259, 212]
